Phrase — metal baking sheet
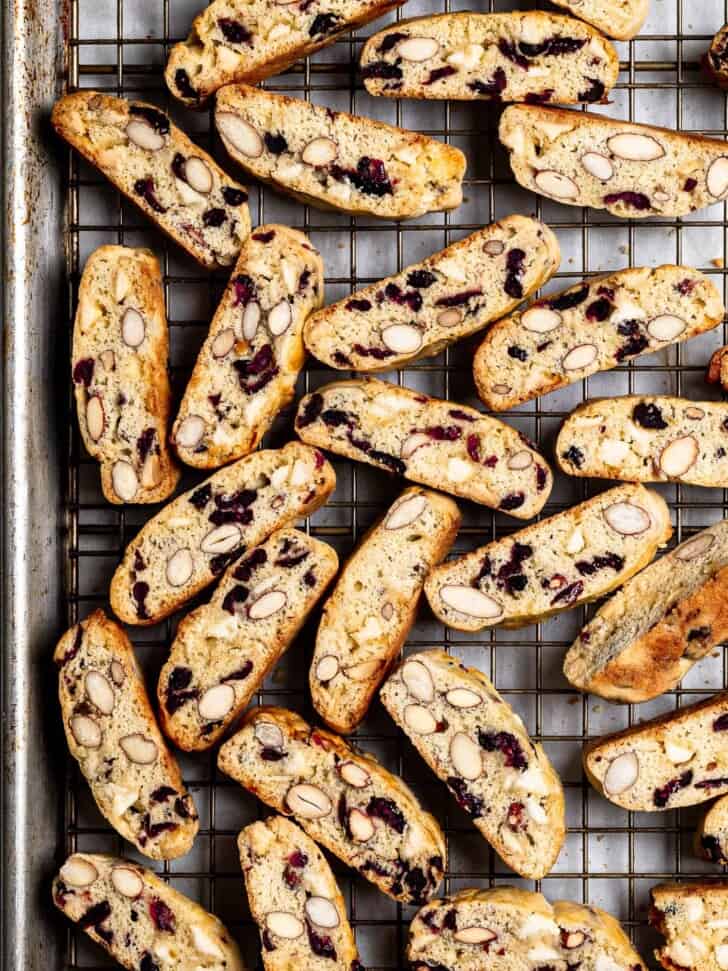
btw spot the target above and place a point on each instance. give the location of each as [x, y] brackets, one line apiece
[61, 540]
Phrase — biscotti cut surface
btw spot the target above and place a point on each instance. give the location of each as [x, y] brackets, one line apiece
[335, 160]
[342, 798]
[678, 759]
[622, 19]
[645, 639]
[711, 838]
[593, 326]
[480, 930]
[111, 732]
[446, 446]
[119, 370]
[223, 651]
[247, 368]
[295, 900]
[250, 40]
[518, 56]
[172, 180]
[718, 368]
[655, 438]
[631, 170]
[568, 559]
[715, 61]
[426, 307]
[142, 922]
[192, 540]
[693, 919]
[368, 616]
[479, 746]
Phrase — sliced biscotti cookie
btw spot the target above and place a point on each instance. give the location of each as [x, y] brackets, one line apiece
[447, 446]
[112, 733]
[223, 651]
[429, 305]
[342, 798]
[693, 918]
[517, 56]
[295, 900]
[711, 838]
[192, 540]
[631, 170]
[563, 561]
[645, 639]
[371, 611]
[622, 19]
[647, 438]
[240, 40]
[718, 368]
[479, 747]
[119, 369]
[334, 160]
[152, 162]
[593, 326]
[506, 926]
[678, 759]
[142, 922]
[247, 368]
[715, 61]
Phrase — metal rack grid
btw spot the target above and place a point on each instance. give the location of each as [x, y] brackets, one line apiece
[610, 858]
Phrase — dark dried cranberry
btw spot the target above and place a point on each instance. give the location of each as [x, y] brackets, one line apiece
[314, 407]
[387, 811]
[264, 237]
[510, 574]
[599, 310]
[508, 746]
[509, 51]
[539, 97]
[444, 433]
[637, 200]
[540, 478]
[632, 347]
[515, 819]
[291, 878]
[473, 446]
[292, 559]
[201, 497]
[690, 184]
[323, 23]
[558, 45]
[244, 569]
[408, 298]
[184, 85]
[462, 415]
[256, 372]
[711, 848]
[179, 679]
[595, 91]
[214, 217]
[721, 723]
[514, 267]
[334, 417]
[421, 279]
[298, 859]
[83, 372]
[570, 299]
[309, 578]
[573, 455]
[145, 442]
[266, 941]
[588, 568]
[220, 562]
[362, 305]
[157, 119]
[95, 915]
[513, 501]
[276, 144]
[176, 697]
[493, 88]
[417, 883]
[662, 795]
[147, 963]
[162, 794]
[569, 594]
[233, 196]
[369, 177]
[390, 41]
[378, 353]
[439, 73]
[457, 299]
[473, 805]
[182, 809]
[238, 595]
[341, 359]
[712, 783]
[178, 166]
[686, 287]
[648, 416]
[139, 592]
[450, 920]
[395, 464]
[698, 634]
[145, 189]
[234, 31]
[74, 649]
[161, 915]
[241, 673]
[382, 71]
[320, 944]
[271, 754]
[519, 353]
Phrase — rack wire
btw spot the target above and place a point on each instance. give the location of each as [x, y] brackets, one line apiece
[610, 858]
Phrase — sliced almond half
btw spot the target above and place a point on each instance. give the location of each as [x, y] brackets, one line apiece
[190, 431]
[635, 147]
[474, 935]
[597, 165]
[363, 670]
[419, 720]
[694, 414]
[86, 731]
[251, 319]
[579, 357]
[223, 343]
[622, 774]
[223, 539]
[449, 317]
[285, 925]
[124, 480]
[556, 185]
[321, 912]
[108, 360]
[471, 602]
[360, 826]
[494, 247]
[267, 605]
[127, 881]
[144, 136]
[320, 151]
[216, 702]
[695, 547]
[77, 872]
[418, 48]
[327, 668]
[627, 518]
[463, 698]
[466, 756]
[269, 735]
[180, 566]
[354, 775]
[402, 338]
[308, 801]
[95, 417]
[418, 680]
[520, 460]
[279, 319]
[99, 692]
[133, 328]
[198, 175]
[717, 178]
[116, 670]
[666, 327]
[240, 134]
[412, 443]
[406, 512]
[679, 456]
[139, 748]
[540, 320]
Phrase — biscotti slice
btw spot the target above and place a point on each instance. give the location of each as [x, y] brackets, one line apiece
[715, 60]
[631, 170]
[693, 918]
[711, 838]
[111, 732]
[250, 40]
[192, 540]
[563, 561]
[718, 368]
[371, 611]
[334, 160]
[647, 438]
[142, 922]
[119, 369]
[429, 305]
[295, 900]
[439, 444]
[593, 326]
[247, 368]
[223, 651]
[152, 162]
[342, 798]
[679, 759]
[476, 930]
[518, 56]
[622, 19]
[645, 639]
[478, 745]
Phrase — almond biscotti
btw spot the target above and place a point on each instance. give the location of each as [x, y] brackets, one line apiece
[223, 651]
[192, 540]
[342, 798]
[247, 368]
[446, 446]
[711, 838]
[334, 160]
[718, 368]
[478, 745]
[119, 370]
[475, 930]
[640, 438]
[645, 639]
[428, 306]
[679, 759]
[295, 900]
[693, 919]
[715, 60]
[141, 921]
[563, 561]
[631, 170]
[622, 19]
[239, 40]
[368, 616]
[111, 732]
[593, 326]
[519, 56]
[155, 165]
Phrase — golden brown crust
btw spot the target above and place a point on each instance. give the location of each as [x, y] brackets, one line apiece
[611, 21]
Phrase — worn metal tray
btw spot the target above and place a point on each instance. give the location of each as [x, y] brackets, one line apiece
[61, 540]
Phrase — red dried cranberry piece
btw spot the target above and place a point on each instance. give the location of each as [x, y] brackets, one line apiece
[493, 88]
[439, 73]
[147, 963]
[162, 794]
[569, 594]
[214, 217]
[508, 746]
[508, 50]
[95, 915]
[573, 455]
[83, 372]
[599, 310]
[519, 353]
[370, 176]
[662, 795]
[513, 501]
[636, 343]
[184, 85]
[276, 144]
[382, 71]
[238, 595]
[648, 416]
[690, 184]
[323, 23]
[514, 267]
[321, 944]
[446, 433]
[201, 497]
[540, 478]
[457, 299]
[74, 649]
[219, 563]
[388, 812]
[298, 859]
[139, 592]
[588, 568]
[378, 353]
[539, 97]
[390, 41]
[145, 189]
[145, 442]
[312, 411]
[244, 569]
[515, 817]
[234, 31]
[161, 915]
[309, 578]
[473, 805]
[233, 196]
[721, 723]
[559, 45]
[421, 279]
[473, 445]
[686, 287]
[595, 91]
[569, 300]
[264, 237]
[256, 372]
[409, 298]
[335, 417]
[712, 783]
[395, 464]
[638, 200]
[356, 304]
[241, 674]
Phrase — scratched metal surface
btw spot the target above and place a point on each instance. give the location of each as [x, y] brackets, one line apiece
[610, 858]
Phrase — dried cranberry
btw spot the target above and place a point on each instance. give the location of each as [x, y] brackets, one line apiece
[493, 88]
[244, 569]
[182, 809]
[690, 184]
[335, 417]
[292, 560]
[570, 299]
[508, 746]
[395, 464]
[599, 310]
[234, 31]
[473, 446]
[512, 501]
[219, 563]
[712, 849]
[201, 497]
[370, 176]
[256, 372]
[95, 915]
[632, 347]
[184, 85]
[508, 50]
[162, 794]
[712, 783]
[382, 71]
[686, 287]
[457, 299]
[276, 144]
[515, 816]
[214, 217]
[648, 416]
[444, 433]
[139, 592]
[264, 237]
[721, 723]
[637, 200]
[83, 372]
[271, 754]
[323, 23]
[147, 963]
[473, 805]
[421, 279]
[244, 289]
[238, 595]
[74, 649]
[341, 359]
[179, 679]
[698, 634]
[378, 353]
[589, 568]
[439, 73]
[409, 298]
[519, 353]
[362, 305]
[233, 196]
[320, 944]
[539, 97]
[313, 409]
[266, 941]
[569, 594]
[388, 812]
[450, 920]
[240, 674]
[298, 859]
[145, 189]
[514, 267]
[462, 415]
[157, 119]
[540, 478]
[145, 442]
[595, 91]
[417, 883]
[390, 41]
[662, 795]
[573, 455]
[309, 578]
[161, 915]
[291, 878]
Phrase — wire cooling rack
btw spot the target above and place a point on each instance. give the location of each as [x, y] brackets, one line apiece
[610, 858]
